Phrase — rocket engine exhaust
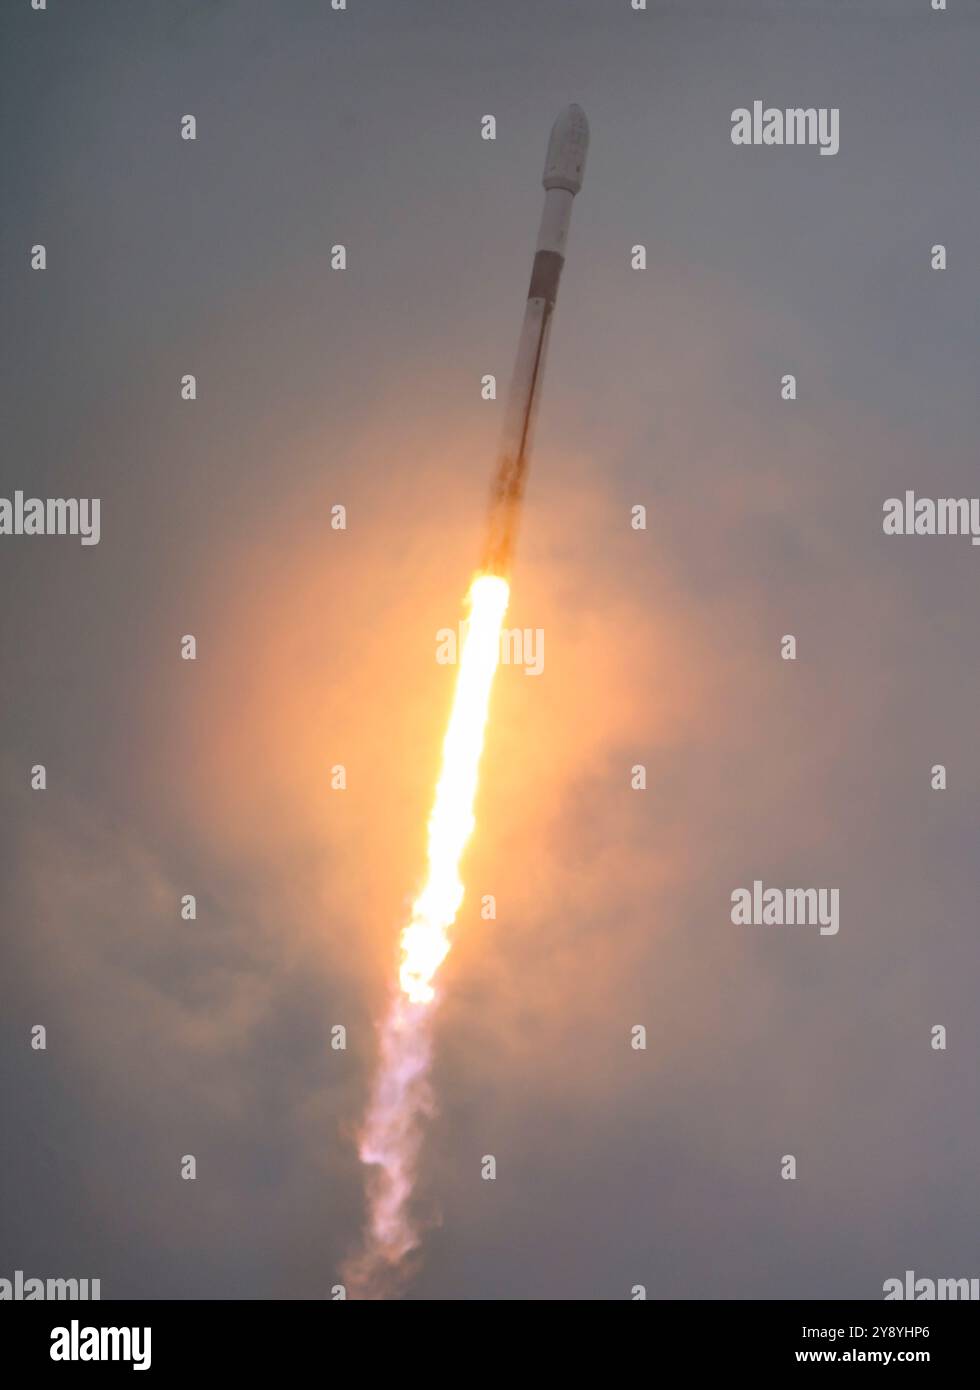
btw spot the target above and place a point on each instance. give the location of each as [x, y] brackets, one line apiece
[391, 1136]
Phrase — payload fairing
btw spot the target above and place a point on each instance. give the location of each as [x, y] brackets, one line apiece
[563, 168]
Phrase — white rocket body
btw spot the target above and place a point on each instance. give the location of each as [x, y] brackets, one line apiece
[563, 169]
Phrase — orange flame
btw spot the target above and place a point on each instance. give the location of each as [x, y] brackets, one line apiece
[400, 1096]
[425, 941]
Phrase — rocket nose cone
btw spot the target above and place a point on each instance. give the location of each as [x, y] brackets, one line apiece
[564, 163]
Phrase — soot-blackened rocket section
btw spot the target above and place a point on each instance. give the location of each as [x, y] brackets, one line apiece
[563, 168]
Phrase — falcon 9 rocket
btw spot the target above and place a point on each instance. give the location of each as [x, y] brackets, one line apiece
[390, 1140]
[563, 168]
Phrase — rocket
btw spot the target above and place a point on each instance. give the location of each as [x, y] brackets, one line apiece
[563, 168]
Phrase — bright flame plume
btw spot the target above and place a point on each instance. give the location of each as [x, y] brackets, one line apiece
[400, 1097]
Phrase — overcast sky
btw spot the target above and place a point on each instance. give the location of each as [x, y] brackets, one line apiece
[615, 1167]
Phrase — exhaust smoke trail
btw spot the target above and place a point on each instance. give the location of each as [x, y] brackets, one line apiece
[400, 1097]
